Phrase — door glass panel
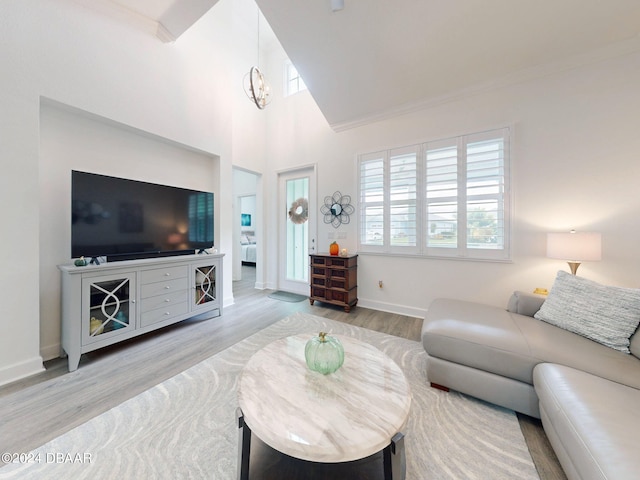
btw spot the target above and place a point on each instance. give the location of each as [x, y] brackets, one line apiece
[297, 236]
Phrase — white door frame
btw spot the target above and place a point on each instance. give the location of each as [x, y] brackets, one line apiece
[258, 228]
[290, 174]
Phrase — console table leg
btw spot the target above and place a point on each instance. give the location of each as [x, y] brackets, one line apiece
[244, 446]
[394, 458]
[73, 361]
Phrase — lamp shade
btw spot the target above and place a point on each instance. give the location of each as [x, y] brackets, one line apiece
[575, 246]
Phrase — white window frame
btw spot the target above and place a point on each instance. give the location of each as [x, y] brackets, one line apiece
[290, 80]
[497, 193]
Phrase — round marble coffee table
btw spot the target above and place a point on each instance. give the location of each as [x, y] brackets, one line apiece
[348, 415]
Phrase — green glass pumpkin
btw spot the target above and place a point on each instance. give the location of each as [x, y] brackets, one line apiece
[324, 353]
[80, 262]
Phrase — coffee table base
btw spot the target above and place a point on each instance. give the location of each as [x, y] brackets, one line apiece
[244, 446]
[393, 455]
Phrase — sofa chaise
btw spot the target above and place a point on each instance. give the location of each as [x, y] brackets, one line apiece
[572, 360]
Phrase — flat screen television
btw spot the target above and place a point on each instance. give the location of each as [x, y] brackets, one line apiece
[125, 219]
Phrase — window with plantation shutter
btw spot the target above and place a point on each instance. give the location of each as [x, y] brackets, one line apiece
[445, 198]
[403, 215]
[466, 196]
[485, 192]
[441, 172]
[372, 197]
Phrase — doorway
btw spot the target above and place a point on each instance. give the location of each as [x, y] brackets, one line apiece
[247, 232]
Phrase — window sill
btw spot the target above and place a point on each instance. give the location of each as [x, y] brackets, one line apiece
[434, 257]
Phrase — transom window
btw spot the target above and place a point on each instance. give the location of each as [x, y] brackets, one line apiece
[446, 198]
[292, 79]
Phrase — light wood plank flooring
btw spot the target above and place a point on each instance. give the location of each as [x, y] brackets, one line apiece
[40, 408]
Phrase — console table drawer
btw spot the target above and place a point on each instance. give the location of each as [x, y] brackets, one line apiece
[160, 314]
[319, 271]
[318, 281]
[342, 297]
[163, 274]
[160, 288]
[162, 301]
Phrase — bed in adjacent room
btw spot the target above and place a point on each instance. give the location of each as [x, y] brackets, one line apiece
[248, 244]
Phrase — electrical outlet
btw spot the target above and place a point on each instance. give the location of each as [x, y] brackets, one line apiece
[342, 235]
[330, 235]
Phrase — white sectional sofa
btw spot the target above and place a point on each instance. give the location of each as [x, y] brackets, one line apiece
[586, 391]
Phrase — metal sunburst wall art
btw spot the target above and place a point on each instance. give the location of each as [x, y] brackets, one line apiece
[336, 209]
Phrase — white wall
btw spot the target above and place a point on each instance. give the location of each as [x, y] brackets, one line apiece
[93, 57]
[574, 165]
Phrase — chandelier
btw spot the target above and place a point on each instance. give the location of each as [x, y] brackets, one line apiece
[256, 88]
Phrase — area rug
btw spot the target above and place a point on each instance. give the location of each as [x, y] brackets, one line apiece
[287, 296]
[186, 427]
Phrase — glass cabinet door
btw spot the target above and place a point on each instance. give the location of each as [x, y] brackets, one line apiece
[110, 306]
[205, 285]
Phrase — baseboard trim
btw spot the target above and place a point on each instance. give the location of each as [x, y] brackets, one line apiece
[228, 301]
[51, 352]
[392, 308]
[21, 370]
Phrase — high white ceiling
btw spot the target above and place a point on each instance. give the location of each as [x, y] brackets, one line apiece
[377, 58]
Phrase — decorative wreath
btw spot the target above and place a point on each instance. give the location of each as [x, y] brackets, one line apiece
[336, 209]
[299, 211]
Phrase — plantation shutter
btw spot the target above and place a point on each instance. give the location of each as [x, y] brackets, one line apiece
[403, 215]
[372, 196]
[441, 185]
[486, 185]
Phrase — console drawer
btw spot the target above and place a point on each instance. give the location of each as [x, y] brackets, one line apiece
[162, 301]
[165, 313]
[162, 288]
[163, 274]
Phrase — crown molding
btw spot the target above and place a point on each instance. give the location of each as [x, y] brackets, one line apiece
[164, 34]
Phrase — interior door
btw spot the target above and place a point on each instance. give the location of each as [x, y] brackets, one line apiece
[297, 228]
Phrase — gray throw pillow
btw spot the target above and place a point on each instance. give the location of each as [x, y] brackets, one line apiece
[605, 314]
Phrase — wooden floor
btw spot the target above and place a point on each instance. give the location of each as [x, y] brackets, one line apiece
[40, 408]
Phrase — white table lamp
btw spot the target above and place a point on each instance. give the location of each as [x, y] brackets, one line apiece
[574, 247]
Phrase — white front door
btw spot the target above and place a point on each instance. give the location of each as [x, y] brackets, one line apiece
[297, 228]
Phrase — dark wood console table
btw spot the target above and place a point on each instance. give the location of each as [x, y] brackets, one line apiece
[334, 279]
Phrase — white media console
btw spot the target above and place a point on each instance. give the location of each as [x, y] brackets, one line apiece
[108, 303]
